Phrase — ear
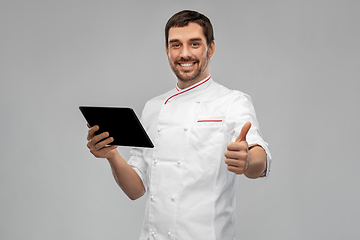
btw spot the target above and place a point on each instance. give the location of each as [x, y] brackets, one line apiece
[212, 49]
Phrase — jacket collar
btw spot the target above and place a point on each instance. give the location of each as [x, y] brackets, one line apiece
[199, 85]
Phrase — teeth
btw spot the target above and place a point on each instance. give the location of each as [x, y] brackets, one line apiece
[186, 64]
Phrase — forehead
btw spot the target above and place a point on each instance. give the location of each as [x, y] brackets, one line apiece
[191, 31]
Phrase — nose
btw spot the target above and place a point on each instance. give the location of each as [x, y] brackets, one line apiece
[185, 52]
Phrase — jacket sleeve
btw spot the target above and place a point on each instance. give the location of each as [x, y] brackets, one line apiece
[241, 110]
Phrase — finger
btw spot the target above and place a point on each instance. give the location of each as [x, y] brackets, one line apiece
[103, 151]
[93, 140]
[237, 155]
[104, 144]
[237, 146]
[100, 137]
[237, 170]
[235, 162]
[244, 131]
[91, 132]
[97, 143]
[88, 125]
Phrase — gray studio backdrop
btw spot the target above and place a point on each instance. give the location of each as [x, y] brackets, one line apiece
[299, 61]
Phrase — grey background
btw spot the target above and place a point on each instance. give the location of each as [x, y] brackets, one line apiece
[299, 61]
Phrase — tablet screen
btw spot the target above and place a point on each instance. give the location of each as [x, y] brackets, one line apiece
[121, 123]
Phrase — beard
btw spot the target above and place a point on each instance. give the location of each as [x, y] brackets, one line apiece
[192, 75]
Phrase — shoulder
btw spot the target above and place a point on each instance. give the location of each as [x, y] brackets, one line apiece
[228, 95]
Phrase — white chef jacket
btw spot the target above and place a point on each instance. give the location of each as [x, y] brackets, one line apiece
[190, 192]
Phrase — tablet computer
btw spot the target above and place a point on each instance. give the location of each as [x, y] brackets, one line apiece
[121, 123]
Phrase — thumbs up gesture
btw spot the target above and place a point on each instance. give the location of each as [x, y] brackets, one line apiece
[237, 153]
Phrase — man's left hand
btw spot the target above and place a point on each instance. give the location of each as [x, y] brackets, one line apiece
[237, 153]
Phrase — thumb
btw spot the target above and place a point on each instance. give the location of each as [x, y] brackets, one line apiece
[245, 129]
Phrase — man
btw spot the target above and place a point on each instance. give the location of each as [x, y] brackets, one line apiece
[204, 135]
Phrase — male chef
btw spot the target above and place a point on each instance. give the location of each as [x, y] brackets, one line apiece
[204, 136]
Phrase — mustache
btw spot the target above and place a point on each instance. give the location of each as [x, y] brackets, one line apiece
[186, 60]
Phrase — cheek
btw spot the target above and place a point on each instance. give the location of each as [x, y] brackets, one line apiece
[202, 53]
[171, 56]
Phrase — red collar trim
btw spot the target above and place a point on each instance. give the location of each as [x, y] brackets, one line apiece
[197, 85]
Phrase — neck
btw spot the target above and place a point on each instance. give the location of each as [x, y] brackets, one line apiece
[185, 84]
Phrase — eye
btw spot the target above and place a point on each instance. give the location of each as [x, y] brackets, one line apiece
[195, 44]
[175, 45]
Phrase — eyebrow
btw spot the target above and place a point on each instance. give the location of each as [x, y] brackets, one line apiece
[195, 39]
[174, 40]
[191, 40]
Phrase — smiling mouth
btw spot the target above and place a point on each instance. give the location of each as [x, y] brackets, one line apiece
[187, 64]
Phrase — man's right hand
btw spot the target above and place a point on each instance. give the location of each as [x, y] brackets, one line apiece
[99, 144]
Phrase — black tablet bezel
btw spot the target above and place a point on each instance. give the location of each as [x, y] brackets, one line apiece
[121, 123]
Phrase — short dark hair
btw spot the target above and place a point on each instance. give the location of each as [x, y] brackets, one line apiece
[183, 18]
